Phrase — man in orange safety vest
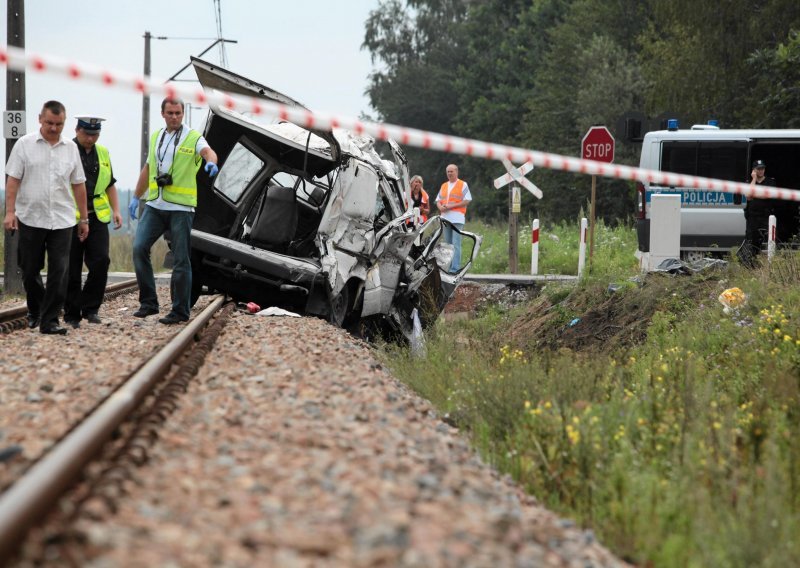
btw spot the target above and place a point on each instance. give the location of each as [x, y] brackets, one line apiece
[452, 201]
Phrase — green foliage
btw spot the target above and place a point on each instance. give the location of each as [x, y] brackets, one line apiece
[120, 250]
[558, 249]
[778, 99]
[539, 73]
[681, 450]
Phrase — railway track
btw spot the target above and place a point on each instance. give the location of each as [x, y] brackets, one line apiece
[12, 319]
[292, 446]
[113, 436]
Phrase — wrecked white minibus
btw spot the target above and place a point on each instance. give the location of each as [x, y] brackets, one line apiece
[314, 221]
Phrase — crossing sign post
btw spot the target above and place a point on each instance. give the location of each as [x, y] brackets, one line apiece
[515, 175]
[597, 145]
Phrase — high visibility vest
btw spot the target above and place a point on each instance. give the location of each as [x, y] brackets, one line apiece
[185, 164]
[102, 207]
[423, 200]
[456, 194]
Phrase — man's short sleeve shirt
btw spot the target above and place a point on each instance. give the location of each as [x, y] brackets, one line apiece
[46, 173]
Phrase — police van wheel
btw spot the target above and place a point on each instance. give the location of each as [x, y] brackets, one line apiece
[692, 255]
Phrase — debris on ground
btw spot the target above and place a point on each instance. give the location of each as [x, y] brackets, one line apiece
[732, 299]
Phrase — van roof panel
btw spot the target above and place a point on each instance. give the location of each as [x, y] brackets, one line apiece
[730, 134]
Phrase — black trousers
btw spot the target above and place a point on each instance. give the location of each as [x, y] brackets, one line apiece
[94, 252]
[45, 302]
[756, 230]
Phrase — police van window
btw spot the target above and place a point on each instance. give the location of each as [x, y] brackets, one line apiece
[679, 157]
[722, 160]
[719, 160]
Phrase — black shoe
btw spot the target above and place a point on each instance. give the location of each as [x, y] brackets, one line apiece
[144, 312]
[74, 322]
[171, 319]
[93, 318]
[53, 329]
[33, 321]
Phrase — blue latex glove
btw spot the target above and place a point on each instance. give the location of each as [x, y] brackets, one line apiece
[211, 169]
[133, 208]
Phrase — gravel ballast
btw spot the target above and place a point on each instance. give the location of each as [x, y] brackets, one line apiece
[292, 447]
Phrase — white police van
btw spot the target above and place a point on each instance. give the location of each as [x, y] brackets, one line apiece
[713, 221]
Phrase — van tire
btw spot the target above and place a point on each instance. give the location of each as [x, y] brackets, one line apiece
[692, 255]
[340, 307]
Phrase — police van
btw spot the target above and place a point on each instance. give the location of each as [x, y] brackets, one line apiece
[713, 221]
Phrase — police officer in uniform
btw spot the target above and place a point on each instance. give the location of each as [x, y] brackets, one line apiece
[103, 206]
[756, 215]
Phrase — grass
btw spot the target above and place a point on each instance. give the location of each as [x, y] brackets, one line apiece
[558, 249]
[681, 450]
[120, 250]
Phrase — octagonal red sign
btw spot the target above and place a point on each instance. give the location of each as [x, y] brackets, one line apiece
[598, 145]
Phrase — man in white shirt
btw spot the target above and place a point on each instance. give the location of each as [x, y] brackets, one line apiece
[452, 201]
[45, 182]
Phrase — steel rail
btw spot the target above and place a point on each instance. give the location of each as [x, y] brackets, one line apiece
[8, 315]
[24, 502]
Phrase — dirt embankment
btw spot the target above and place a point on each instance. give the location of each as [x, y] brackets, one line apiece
[588, 319]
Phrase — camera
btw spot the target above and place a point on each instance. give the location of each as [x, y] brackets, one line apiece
[163, 180]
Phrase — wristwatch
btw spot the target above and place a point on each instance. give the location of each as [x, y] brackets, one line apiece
[85, 221]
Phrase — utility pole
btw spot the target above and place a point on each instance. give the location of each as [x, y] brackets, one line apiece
[15, 101]
[146, 101]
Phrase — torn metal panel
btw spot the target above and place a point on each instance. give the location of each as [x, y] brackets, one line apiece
[380, 287]
[401, 163]
[338, 267]
[350, 213]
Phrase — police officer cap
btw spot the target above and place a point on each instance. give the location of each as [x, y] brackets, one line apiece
[759, 164]
[90, 124]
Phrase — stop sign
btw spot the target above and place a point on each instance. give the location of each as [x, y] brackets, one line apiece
[598, 145]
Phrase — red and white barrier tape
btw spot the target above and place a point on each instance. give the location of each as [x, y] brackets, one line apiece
[20, 60]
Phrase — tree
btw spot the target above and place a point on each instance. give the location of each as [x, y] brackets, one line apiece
[539, 73]
[695, 55]
[588, 78]
[505, 47]
[776, 92]
[417, 44]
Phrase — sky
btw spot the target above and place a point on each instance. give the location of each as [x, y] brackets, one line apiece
[308, 49]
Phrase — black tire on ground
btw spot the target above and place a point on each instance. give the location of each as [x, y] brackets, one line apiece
[340, 307]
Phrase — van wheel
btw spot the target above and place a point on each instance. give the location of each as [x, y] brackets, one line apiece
[692, 255]
[340, 305]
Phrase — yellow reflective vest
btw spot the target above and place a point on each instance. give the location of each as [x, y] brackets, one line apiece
[185, 164]
[102, 207]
